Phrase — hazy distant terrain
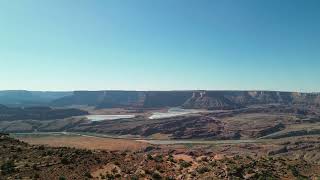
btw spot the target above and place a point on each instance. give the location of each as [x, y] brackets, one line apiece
[187, 99]
[157, 99]
[161, 134]
[29, 98]
[220, 114]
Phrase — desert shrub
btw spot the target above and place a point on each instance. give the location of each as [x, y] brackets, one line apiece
[213, 163]
[102, 176]
[19, 149]
[36, 176]
[158, 167]
[156, 176]
[14, 156]
[149, 148]
[88, 175]
[147, 171]
[110, 176]
[35, 167]
[171, 159]
[236, 171]
[237, 157]
[49, 152]
[114, 170]
[134, 177]
[184, 164]
[8, 167]
[264, 175]
[204, 159]
[62, 178]
[17, 177]
[158, 158]
[149, 157]
[202, 169]
[189, 146]
[98, 160]
[294, 171]
[194, 173]
[88, 151]
[65, 161]
[170, 178]
[41, 147]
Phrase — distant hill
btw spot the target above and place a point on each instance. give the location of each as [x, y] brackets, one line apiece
[155, 99]
[103, 99]
[37, 113]
[19, 98]
[115, 99]
[186, 99]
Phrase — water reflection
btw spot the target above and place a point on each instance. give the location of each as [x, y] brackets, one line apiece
[173, 112]
[108, 117]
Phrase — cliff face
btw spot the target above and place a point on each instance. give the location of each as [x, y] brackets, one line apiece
[211, 100]
[166, 98]
[186, 99]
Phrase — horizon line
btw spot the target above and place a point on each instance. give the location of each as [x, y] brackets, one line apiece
[184, 90]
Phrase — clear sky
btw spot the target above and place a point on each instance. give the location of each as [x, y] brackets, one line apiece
[160, 44]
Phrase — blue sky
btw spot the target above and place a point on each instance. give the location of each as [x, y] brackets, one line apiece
[160, 44]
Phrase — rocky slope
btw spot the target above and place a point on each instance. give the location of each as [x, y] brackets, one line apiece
[19, 160]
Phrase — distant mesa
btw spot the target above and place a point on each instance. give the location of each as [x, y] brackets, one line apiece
[215, 100]
[156, 99]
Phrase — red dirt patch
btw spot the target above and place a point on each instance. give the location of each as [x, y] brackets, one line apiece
[86, 142]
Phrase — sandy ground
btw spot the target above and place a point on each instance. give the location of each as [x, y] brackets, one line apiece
[107, 169]
[183, 157]
[86, 142]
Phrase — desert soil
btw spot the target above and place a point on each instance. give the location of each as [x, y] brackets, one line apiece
[83, 142]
